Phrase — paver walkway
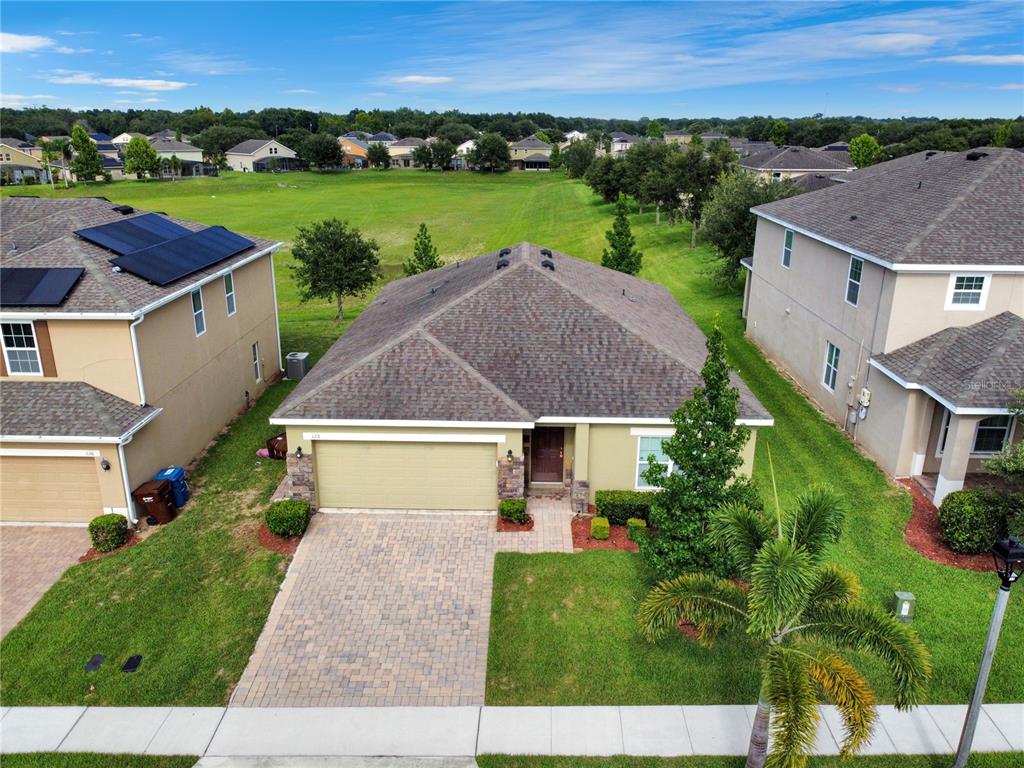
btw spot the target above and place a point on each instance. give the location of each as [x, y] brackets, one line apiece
[388, 610]
[32, 558]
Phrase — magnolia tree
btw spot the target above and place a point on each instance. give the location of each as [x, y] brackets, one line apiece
[333, 260]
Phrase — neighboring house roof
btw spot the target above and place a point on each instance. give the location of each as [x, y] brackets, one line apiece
[100, 138]
[356, 135]
[66, 409]
[167, 133]
[795, 159]
[470, 342]
[811, 182]
[977, 366]
[621, 136]
[531, 142]
[958, 208]
[41, 233]
[836, 146]
[249, 147]
[170, 145]
[383, 136]
[112, 162]
[17, 143]
[411, 141]
[105, 146]
[355, 143]
[537, 157]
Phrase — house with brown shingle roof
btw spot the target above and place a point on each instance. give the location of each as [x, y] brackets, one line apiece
[792, 162]
[123, 351]
[530, 154]
[895, 300]
[520, 369]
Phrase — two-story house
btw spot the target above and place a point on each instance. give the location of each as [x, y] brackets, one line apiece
[530, 154]
[262, 155]
[793, 162]
[129, 339]
[896, 301]
[401, 151]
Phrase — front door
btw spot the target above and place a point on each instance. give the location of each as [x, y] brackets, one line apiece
[546, 451]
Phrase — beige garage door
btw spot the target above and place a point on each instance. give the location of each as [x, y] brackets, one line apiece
[375, 475]
[49, 489]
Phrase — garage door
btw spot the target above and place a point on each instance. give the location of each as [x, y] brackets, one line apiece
[375, 475]
[49, 489]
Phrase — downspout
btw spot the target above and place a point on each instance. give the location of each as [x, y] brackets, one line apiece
[129, 507]
[138, 360]
[871, 348]
[277, 321]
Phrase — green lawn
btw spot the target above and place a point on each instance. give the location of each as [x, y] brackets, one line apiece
[91, 760]
[561, 629]
[1003, 760]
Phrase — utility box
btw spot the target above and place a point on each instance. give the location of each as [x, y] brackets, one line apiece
[179, 487]
[903, 606]
[297, 365]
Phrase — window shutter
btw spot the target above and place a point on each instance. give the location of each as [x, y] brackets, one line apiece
[45, 349]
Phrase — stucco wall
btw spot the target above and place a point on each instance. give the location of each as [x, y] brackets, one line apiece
[245, 162]
[889, 431]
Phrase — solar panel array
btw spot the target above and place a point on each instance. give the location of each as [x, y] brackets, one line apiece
[37, 286]
[160, 251]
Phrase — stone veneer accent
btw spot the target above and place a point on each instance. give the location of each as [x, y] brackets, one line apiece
[300, 471]
[511, 478]
[579, 496]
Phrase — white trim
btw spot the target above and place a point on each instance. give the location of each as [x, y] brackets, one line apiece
[257, 366]
[200, 313]
[650, 432]
[769, 422]
[277, 320]
[636, 466]
[936, 396]
[951, 289]
[402, 437]
[52, 439]
[25, 524]
[230, 295]
[129, 511]
[138, 358]
[9, 316]
[401, 423]
[35, 348]
[55, 452]
[787, 232]
[849, 280]
[829, 346]
[600, 420]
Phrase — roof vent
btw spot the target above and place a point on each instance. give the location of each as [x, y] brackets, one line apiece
[124, 210]
[929, 153]
[548, 264]
[502, 263]
[504, 252]
[14, 248]
[976, 155]
[115, 269]
[854, 217]
[545, 252]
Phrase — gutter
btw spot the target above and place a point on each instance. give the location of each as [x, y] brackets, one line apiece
[277, 320]
[122, 441]
[138, 360]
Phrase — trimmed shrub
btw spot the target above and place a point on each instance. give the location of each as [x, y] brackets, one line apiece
[288, 517]
[108, 532]
[619, 506]
[635, 528]
[600, 528]
[972, 520]
[513, 510]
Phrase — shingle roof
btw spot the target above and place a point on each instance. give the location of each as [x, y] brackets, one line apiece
[811, 182]
[383, 136]
[623, 136]
[65, 409]
[468, 342]
[411, 141]
[945, 209]
[42, 230]
[248, 147]
[531, 142]
[978, 366]
[536, 157]
[914, 160]
[170, 145]
[100, 138]
[16, 143]
[796, 159]
[167, 133]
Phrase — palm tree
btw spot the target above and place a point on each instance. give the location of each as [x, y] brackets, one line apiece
[67, 154]
[49, 153]
[803, 612]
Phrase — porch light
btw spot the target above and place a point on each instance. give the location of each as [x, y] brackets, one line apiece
[1008, 557]
[509, 455]
[298, 452]
[105, 465]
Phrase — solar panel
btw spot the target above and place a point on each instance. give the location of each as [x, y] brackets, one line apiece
[37, 286]
[172, 260]
[133, 234]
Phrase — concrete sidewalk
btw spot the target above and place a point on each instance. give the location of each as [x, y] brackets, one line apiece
[461, 732]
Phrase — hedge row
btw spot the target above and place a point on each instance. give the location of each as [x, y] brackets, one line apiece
[973, 520]
[620, 506]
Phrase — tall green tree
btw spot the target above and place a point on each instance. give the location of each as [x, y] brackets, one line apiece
[605, 176]
[377, 155]
[705, 450]
[321, 150]
[864, 150]
[702, 167]
[804, 614]
[442, 151]
[577, 157]
[50, 154]
[423, 156]
[140, 158]
[777, 131]
[424, 254]
[655, 129]
[621, 253]
[491, 153]
[87, 163]
[333, 260]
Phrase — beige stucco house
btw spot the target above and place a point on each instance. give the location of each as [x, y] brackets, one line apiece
[792, 162]
[530, 154]
[108, 374]
[17, 165]
[401, 151]
[519, 370]
[895, 299]
[262, 155]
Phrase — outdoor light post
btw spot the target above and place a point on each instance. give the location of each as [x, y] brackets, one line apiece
[1009, 559]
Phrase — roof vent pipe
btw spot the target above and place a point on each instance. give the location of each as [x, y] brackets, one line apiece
[502, 263]
[504, 252]
[545, 252]
[548, 264]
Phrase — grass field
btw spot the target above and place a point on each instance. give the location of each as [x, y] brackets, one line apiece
[560, 628]
[90, 760]
[1004, 760]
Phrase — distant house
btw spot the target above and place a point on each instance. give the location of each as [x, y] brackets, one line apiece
[574, 135]
[121, 140]
[387, 139]
[166, 134]
[114, 166]
[789, 162]
[812, 182]
[530, 154]
[621, 142]
[17, 166]
[401, 151]
[461, 160]
[354, 151]
[167, 148]
[261, 155]
[100, 138]
[362, 136]
[104, 145]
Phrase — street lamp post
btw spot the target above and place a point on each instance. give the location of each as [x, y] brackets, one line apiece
[1009, 563]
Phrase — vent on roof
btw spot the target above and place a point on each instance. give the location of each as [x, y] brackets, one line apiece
[502, 263]
[548, 264]
[545, 252]
[124, 210]
[504, 252]
[976, 155]
[854, 217]
[930, 153]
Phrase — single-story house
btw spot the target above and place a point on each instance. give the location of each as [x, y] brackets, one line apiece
[518, 370]
[168, 148]
[262, 155]
[401, 152]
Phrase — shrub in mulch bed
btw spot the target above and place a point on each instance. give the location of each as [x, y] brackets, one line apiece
[618, 537]
[924, 535]
[275, 543]
[94, 554]
[510, 526]
[108, 532]
[288, 518]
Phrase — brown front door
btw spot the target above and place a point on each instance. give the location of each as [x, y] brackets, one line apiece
[546, 447]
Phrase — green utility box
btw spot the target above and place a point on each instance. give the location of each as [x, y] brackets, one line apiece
[903, 606]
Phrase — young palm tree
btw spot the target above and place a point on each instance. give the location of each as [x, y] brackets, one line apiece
[804, 612]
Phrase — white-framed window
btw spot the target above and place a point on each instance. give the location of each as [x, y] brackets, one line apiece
[645, 447]
[853, 278]
[198, 314]
[787, 249]
[229, 292]
[256, 360]
[967, 291]
[990, 436]
[21, 351]
[831, 366]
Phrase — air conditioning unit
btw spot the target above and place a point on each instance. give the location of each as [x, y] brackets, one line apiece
[298, 365]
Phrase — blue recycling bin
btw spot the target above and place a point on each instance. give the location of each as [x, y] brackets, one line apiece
[179, 488]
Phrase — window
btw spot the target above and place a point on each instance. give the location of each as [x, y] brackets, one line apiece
[229, 292]
[20, 349]
[198, 316]
[256, 360]
[831, 366]
[853, 280]
[648, 446]
[993, 433]
[967, 292]
[787, 249]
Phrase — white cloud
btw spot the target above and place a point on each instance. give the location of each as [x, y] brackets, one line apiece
[1006, 59]
[1008, 87]
[300, 91]
[132, 34]
[894, 42]
[64, 77]
[12, 43]
[18, 101]
[900, 88]
[205, 63]
[151, 100]
[421, 80]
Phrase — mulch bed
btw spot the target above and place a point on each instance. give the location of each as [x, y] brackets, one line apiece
[507, 526]
[93, 554]
[923, 534]
[277, 543]
[619, 538]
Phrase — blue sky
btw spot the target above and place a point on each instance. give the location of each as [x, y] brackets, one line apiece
[621, 59]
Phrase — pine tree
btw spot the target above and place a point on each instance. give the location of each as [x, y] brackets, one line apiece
[424, 254]
[621, 254]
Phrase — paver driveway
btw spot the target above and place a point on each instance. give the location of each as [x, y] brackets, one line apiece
[384, 610]
[31, 559]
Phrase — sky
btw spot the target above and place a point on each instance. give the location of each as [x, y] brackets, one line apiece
[599, 59]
